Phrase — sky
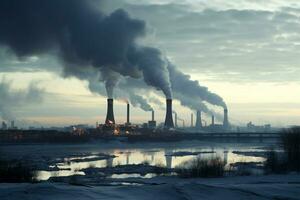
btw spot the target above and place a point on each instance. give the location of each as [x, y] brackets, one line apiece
[246, 51]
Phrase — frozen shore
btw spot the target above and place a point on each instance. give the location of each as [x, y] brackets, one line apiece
[250, 187]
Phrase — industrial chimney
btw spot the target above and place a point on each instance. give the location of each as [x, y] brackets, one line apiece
[110, 112]
[212, 120]
[128, 114]
[169, 117]
[176, 125]
[152, 115]
[225, 122]
[198, 120]
[152, 123]
[192, 120]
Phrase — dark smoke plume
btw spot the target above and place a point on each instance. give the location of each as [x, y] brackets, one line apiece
[196, 104]
[12, 99]
[187, 88]
[81, 35]
[87, 41]
[126, 88]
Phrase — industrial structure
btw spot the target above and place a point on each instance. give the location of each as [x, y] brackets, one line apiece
[225, 122]
[128, 115]
[169, 117]
[199, 120]
[128, 127]
[110, 119]
[152, 122]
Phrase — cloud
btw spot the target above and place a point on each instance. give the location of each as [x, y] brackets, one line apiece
[12, 99]
[247, 38]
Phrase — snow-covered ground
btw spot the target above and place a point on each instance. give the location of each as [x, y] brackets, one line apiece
[231, 188]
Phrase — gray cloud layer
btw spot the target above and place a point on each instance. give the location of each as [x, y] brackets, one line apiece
[12, 100]
[233, 41]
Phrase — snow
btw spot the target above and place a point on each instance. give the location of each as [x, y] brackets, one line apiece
[250, 187]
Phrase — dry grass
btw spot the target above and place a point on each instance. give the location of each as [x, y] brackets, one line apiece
[206, 168]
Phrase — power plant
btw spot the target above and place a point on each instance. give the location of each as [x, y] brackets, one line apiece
[128, 127]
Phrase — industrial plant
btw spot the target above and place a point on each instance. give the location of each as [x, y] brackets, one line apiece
[109, 127]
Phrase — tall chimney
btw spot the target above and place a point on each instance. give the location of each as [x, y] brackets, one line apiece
[128, 113]
[176, 125]
[152, 115]
[169, 118]
[198, 120]
[225, 122]
[110, 112]
[192, 120]
[212, 120]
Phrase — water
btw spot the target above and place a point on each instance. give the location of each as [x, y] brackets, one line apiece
[86, 155]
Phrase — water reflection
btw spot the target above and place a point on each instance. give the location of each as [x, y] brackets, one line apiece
[152, 156]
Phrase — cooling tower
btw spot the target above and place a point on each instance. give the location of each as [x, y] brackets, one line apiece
[169, 117]
[198, 119]
[225, 122]
[110, 112]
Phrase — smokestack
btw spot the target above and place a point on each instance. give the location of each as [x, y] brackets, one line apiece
[128, 113]
[198, 120]
[212, 120]
[110, 112]
[225, 122]
[192, 120]
[152, 115]
[152, 123]
[176, 125]
[169, 117]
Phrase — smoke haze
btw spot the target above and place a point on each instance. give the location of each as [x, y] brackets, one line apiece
[12, 99]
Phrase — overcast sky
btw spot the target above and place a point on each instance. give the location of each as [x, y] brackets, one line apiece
[247, 51]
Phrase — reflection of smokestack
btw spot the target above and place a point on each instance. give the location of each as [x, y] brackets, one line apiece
[212, 120]
[198, 119]
[128, 113]
[110, 112]
[225, 122]
[169, 117]
[152, 115]
[192, 120]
